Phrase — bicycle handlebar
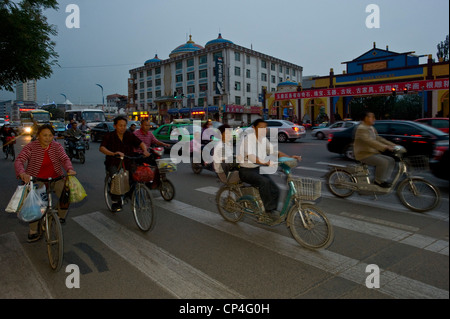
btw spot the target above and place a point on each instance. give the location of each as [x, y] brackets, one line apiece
[46, 180]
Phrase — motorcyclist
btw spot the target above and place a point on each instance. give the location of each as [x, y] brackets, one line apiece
[147, 137]
[71, 136]
[83, 126]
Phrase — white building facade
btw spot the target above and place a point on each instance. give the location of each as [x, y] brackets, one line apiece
[26, 91]
[186, 84]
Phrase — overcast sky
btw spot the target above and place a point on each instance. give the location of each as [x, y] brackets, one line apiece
[117, 35]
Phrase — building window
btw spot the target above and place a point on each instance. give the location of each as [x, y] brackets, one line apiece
[293, 72]
[203, 87]
[247, 73]
[217, 55]
[149, 95]
[149, 83]
[157, 82]
[158, 70]
[141, 85]
[141, 74]
[263, 64]
[191, 76]
[272, 66]
[237, 86]
[237, 56]
[190, 62]
[274, 79]
[264, 77]
[141, 96]
[281, 79]
[179, 65]
[280, 68]
[237, 100]
[149, 72]
[191, 89]
[247, 58]
[202, 74]
[249, 101]
[248, 87]
[203, 59]
[287, 70]
[237, 71]
[135, 76]
[179, 78]
[201, 101]
[158, 94]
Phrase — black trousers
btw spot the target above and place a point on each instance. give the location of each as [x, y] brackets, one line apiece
[268, 190]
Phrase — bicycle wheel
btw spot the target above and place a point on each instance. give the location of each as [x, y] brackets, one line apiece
[13, 153]
[55, 242]
[106, 192]
[310, 227]
[143, 210]
[167, 190]
[418, 194]
[6, 152]
[82, 157]
[226, 200]
[335, 180]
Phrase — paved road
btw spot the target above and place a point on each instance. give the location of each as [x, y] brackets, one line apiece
[193, 253]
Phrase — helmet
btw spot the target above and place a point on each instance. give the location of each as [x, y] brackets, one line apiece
[143, 174]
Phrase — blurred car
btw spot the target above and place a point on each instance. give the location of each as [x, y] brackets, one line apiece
[172, 133]
[287, 131]
[321, 125]
[137, 123]
[59, 128]
[2, 121]
[417, 138]
[98, 131]
[323, 132]
[439, 161]
[441, 123]
[153, 125]
[26, 128]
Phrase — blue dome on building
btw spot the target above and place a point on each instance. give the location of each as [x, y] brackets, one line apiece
[188, 47]
[219, 40]
[288, 83]
[155, 59]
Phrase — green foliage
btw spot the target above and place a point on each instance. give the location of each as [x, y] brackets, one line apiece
[26, 48]
[443, 49]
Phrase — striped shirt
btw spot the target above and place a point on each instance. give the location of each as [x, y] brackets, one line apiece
[32, 155]
[148, 139]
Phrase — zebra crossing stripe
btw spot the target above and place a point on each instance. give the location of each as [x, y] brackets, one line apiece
[19, 279]
[354, 270]
[177, 277]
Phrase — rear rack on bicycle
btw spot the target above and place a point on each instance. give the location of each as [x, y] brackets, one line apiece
[165, 165]
[307, 188]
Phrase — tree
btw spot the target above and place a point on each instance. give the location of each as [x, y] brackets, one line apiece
[26, 48]
[443, 49]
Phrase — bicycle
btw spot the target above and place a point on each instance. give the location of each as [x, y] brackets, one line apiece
[308, 224]
[51, 226]
[415, 193]
[9, 147]
[141, 198]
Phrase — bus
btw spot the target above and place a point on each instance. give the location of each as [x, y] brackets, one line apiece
[92, 116]
[27, 118]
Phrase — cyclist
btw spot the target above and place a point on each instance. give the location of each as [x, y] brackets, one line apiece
[44, 158]
[6, 132]
[116, 144]
[71, 136]
[250, 164]
[368, 146]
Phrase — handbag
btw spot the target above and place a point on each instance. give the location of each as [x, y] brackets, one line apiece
[120, 182]
[18, 198]
[77, 192]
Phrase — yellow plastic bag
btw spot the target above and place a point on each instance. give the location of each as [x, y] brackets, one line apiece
[77, 192]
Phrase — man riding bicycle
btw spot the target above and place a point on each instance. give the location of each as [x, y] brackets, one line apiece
[116, 144]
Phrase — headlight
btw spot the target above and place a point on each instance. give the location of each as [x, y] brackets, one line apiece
[28, 129]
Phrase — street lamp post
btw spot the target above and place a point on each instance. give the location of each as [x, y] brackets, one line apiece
[103, 98]
[65, 101]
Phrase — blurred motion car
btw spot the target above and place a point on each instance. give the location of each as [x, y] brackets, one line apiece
[287, 131]
[99, 130]
[439, 162]
[322, 133]
[441, 123]
[417, 138]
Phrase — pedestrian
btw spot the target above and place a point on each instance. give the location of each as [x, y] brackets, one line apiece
[44, 158]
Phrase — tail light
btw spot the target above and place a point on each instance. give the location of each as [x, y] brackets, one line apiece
[439, 151]
[295, 128]
[158, 150]
[330, 137]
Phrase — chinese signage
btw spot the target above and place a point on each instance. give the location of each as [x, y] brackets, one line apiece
[242, 109]
[441, 84]
[219, 76]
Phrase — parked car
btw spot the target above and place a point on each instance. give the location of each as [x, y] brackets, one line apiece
[322, 133]
[98, 131]
[287, 131]
[166, 131]
[440, 160]
[441, 123]
[417, 138]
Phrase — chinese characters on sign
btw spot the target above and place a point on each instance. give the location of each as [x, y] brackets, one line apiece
[365, 89]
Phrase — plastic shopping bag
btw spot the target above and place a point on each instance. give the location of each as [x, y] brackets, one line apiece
[17, 199]
[31, 208]
[77, 192]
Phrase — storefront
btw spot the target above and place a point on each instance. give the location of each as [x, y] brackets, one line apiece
[236, 115]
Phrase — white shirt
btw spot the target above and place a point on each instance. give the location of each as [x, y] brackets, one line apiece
[252, 147]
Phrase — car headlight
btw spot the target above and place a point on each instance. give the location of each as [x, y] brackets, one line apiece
[28, 129]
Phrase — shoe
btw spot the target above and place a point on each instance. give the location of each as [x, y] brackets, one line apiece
[33, 237]
[62, 220]
[116, 207]
[383, 184]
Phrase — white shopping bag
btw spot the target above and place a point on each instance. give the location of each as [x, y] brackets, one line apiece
[18, 198]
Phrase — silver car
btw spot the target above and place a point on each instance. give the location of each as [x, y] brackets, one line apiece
[322, 133]
[287, 131]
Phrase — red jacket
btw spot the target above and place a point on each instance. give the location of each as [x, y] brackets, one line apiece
[32, 155]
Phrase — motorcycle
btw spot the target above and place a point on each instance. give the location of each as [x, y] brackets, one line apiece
[160, 168]
[87, 138]
[80, 148]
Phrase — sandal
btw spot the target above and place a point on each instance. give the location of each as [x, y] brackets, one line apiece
[33, 237]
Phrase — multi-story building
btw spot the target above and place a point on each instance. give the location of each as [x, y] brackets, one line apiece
[221, 81]
[115, 102]
[26, 91]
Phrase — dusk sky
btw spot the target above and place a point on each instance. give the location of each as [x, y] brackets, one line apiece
[116, 36]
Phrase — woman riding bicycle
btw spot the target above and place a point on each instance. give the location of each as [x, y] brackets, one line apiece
[116, 144]
[44, 158]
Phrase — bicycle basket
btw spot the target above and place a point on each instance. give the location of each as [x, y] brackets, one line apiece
[143, 174]
[165, 165]
[417, 163]
[308, 188]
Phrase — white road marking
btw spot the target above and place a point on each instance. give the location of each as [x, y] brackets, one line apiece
[19, 279]
[392, 284]
[180, 279]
